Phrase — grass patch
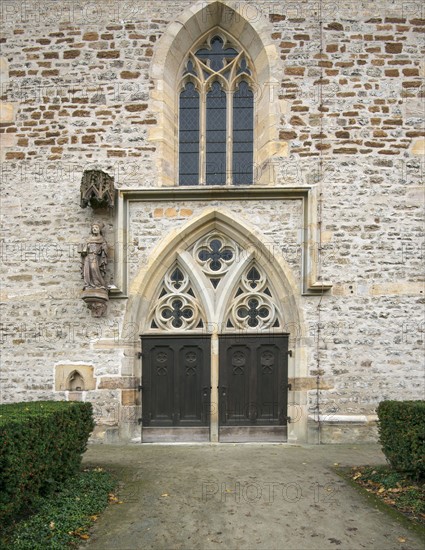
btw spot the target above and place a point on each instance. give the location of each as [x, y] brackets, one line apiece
[394, 490]
[63, 518]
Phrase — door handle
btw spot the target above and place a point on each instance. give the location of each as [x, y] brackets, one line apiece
[223, 390]
[206, 390]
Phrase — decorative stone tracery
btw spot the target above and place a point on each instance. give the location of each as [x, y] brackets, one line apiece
[252, 306]
[215, 257]
[177, 307]
[215, 254]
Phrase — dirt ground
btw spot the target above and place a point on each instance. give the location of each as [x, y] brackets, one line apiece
[241, 497]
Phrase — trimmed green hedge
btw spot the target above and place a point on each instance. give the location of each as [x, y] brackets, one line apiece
[402, 435]
[41, 444]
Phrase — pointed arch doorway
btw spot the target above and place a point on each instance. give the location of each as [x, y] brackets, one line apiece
[214, 347]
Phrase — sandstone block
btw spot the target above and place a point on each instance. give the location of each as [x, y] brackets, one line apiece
[129, 397]
[117, 382]
[418, 147]
[7, 112]
[393, 47]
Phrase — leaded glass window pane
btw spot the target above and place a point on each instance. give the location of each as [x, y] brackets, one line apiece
[189, 136]
[216, 131]
[216, 136]
[243, 135]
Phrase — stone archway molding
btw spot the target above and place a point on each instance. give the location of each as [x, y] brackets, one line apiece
[143, 289]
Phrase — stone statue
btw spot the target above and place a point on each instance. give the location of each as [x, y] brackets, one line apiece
[94, 257]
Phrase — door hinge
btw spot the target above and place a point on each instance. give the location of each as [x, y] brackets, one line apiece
[288, 419]
[140, 421]
[289, 387]
[140, 388]
[289, 352]
[139, 355]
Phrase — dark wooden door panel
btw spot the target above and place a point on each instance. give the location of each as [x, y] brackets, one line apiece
[159, 376]
[194, 376]
[176, 381]
[267, 378]
[235, 382]
[253, 380]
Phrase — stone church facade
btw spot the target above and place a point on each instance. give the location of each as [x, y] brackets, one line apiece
[254, 171]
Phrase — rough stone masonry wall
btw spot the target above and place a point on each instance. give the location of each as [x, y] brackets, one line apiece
[75, 94]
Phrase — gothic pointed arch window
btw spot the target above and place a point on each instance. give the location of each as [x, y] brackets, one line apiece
[216, 114]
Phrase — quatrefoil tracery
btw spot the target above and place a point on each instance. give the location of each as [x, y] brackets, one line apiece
[177, 307]
[252, 304]
[215, 254]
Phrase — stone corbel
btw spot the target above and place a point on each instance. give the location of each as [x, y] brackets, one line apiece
[96, 300]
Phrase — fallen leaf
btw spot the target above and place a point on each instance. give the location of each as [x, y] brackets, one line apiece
[357, 476]
[381, 489]
[84, 537]
[52, 525]
[165, 495]
[401, 539]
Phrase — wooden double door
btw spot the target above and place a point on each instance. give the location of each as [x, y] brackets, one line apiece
[179, 402]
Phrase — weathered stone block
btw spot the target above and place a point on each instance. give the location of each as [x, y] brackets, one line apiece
[117, 382]
[7, 112]
[129, 397]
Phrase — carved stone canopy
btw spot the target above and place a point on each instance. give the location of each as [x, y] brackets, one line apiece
[97, 189]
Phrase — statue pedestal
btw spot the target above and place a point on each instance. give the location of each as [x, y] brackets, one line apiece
[96, 300]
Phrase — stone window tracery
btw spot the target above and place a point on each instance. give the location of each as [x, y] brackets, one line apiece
[216, 114]
[251, 301]
[252, 306]
[177, 307]
[215, 254]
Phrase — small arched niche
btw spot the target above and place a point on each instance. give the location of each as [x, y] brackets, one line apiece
[74, 378]
[75, 381]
